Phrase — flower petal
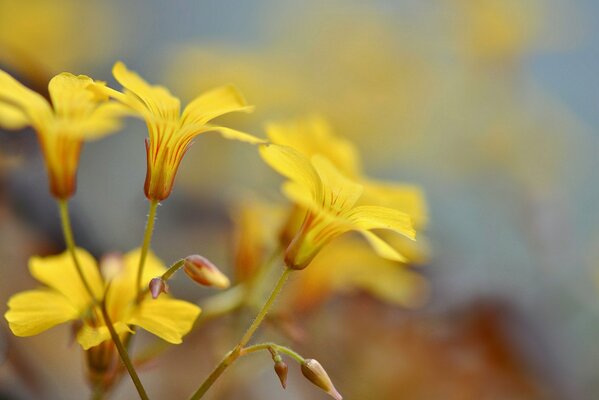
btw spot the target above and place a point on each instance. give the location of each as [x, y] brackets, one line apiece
[294, 166]
[122, 291]
[166, 318]
[382, 248]
[375, 217]
[214, 103]
[389, 282]
[340, 193]
[406, 198]
[146, 98]
[59, 272]
[12, 118]
[233, 134]
[35, 311]
[313, 135]
[89, 336]
[32, 104]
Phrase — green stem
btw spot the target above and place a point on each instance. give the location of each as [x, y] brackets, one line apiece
[123, 354]
[146, 243]
[276, 347]
[236, 352]
[70, 243]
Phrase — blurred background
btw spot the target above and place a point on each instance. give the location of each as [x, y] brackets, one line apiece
[489, 105]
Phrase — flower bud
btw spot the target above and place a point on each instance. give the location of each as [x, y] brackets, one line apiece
[202, 271]
[316, 374]
[281, 370]
[157, 286]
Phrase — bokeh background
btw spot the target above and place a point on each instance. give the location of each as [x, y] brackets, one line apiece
[489, 105]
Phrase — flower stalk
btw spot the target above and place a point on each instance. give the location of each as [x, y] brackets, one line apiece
[146, 243]
[70, 243]
[237, 351]
[123, 353]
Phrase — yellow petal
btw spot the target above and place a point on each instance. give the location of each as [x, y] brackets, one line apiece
[406, 198]
[166, 318]
[156, 100]
[12, 117]
[89, 336]
[35, 311]
[294, 166]
[70, 96]
[59, 272]
[32, 104]
[340, 193]
[382, 248]
[375, 217]
[214, 103]
[122, 285]
[191, 130]
[313, 135]
[105, 119]
[389, 282]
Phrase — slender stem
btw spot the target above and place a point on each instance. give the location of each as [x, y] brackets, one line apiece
[236, 352]
[123, 354]
[277, 347]
[254, 288]
[70, 242]
[146, 243]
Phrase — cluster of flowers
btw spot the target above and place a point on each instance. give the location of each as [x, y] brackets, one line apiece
[329, 193]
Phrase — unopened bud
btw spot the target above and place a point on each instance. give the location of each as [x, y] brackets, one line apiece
[202, 271]
[316, 374]
[281, 370]
[157, 286]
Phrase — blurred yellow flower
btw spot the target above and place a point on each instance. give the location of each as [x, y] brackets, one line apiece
[170, 131]
[65, 299]
[79, 111]
[331, 201]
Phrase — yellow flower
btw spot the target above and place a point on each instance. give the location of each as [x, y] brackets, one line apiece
[65, 299]
[78, 112]
[313, 135]
[331, 201]
[170, 131]
[345, 265]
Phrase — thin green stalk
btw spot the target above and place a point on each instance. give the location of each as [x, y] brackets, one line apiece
[124, 355]
[276, 347]
[236, 352]
[70, 243]
[146, 243]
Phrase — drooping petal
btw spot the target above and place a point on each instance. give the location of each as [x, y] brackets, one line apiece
[375, 217]
[233, 134]
[89, 336]
[32, 104]
[387, 281]
[35, 311]
[214, 103]
[294, 166]
[382, 248]
[157, 100]
[166, 318]
[59, 272]
[12, 118]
